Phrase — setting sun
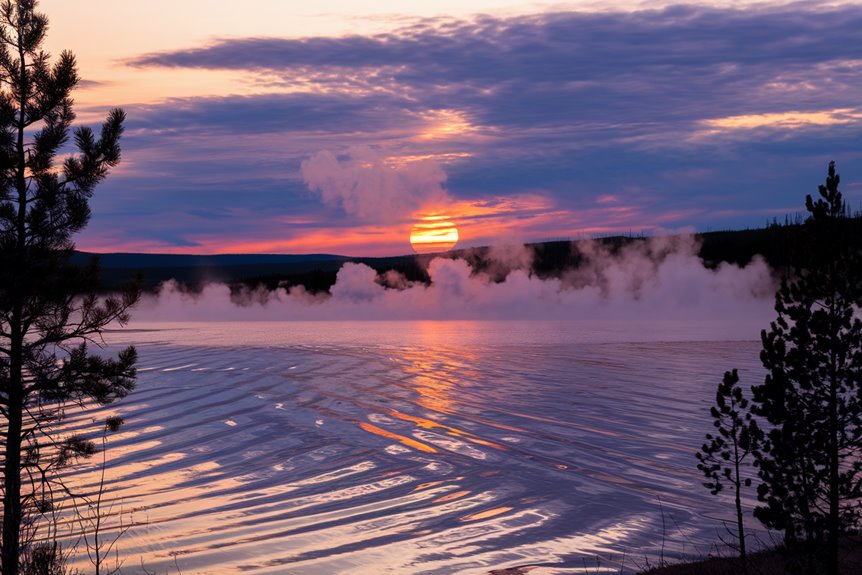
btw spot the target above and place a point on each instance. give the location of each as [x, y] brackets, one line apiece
[433, 233]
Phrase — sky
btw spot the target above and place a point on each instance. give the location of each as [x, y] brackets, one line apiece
[334, 126]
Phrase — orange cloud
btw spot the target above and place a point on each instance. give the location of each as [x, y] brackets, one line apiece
[784, 120]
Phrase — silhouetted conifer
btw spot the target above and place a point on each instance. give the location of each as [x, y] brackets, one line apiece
[47, 308]
[723, 457]
[809, 465]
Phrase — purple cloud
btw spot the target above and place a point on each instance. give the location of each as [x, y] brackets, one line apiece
[703, 116]
[676, 65]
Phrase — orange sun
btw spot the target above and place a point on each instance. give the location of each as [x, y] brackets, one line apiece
[433, 233]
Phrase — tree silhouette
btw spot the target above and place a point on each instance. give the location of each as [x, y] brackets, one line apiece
[724, 455]
[809, 464]
[48, 310]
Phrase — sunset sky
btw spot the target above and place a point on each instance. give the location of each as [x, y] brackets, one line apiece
[333, 126]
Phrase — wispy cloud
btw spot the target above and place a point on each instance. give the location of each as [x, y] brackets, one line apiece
[680, 64]
[785, 120]
[672, 113]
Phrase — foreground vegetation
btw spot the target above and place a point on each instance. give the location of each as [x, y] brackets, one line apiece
[768, 562]
[800, 430]
[48, 309]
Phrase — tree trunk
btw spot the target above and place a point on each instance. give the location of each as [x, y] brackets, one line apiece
[833, 521]
[12, 512]
[12, 468]
[740, 529]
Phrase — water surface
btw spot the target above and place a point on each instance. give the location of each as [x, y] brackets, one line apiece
[416, 447]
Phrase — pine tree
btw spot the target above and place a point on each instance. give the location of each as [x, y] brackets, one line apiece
[48, 310]
[810, 464]
[724, 456]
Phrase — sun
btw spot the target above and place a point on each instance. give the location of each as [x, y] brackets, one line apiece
[433, 233]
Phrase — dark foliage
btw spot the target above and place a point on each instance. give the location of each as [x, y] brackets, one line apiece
[722, 458]
[44, 559]
[810, 463]
[48, 308]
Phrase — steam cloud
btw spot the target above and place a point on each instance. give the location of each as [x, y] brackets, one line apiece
[661, 278]
[368, 187]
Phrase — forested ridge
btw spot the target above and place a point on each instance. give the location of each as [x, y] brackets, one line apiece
[317, 272]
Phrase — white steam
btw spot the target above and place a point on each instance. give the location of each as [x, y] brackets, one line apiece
[365, 185]
[661, 278]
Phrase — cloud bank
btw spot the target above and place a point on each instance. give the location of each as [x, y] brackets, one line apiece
[676, 65]
[368, 187]
[678, 112]
[657, 279]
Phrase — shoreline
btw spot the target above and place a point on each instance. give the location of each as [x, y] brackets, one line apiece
[773, 561]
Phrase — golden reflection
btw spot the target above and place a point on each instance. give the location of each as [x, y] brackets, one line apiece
[429, 424]
[452, 496]
[434, 374]
[423, 486]
[486, 514]
[399, 438]
[431, 370]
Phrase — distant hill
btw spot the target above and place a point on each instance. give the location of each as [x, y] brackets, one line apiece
[196, 270]
[140, 261]
[316, 272]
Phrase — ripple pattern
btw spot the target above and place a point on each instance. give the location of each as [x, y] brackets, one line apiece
[406, 458]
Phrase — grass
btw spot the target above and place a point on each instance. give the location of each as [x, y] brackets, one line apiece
[767, 562]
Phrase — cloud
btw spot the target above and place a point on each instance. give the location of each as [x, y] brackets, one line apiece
[646, 68]
[659, 279]
[565, 106]
[785, 120]
[269, 113]
[368, 187]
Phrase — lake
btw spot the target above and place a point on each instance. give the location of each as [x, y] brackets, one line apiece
[415, 446]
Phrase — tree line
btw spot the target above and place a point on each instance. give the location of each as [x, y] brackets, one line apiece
[800, 430]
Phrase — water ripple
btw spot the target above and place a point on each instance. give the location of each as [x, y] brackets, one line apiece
[410, 458]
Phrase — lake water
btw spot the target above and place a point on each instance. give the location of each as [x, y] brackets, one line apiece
[416, 447]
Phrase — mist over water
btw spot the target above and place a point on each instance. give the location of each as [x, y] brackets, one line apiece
[662, 278]
[545, 422]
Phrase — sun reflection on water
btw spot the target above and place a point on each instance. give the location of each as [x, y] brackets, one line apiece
[433, 453]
